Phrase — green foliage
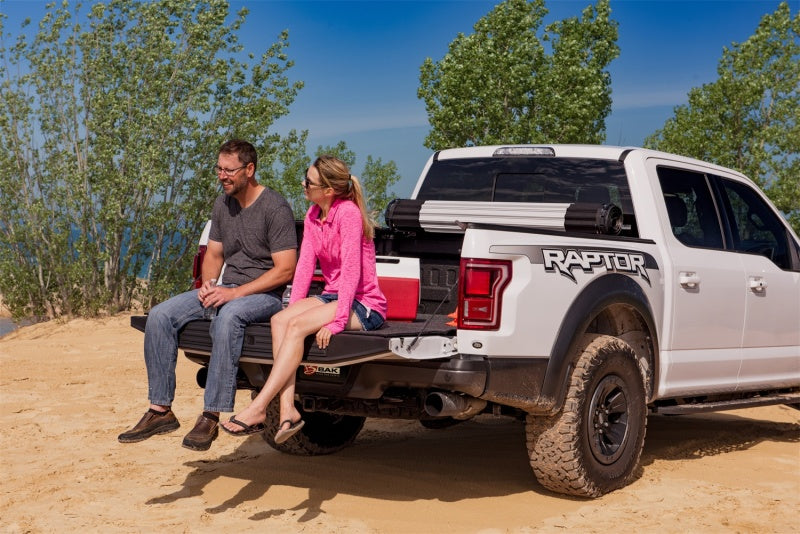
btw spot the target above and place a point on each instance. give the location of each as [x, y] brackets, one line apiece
[378, 178]
[340, 150]
[499, 84]
[749, 118]
[110, 123]
[292, 162]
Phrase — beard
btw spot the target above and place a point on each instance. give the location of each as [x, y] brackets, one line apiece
[236, 186]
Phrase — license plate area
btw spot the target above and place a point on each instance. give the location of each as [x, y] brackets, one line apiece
[322, 373]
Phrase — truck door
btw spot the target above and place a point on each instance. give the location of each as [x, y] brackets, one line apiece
[703, 349]
[769, 255]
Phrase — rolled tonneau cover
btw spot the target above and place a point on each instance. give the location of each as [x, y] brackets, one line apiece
[450, 216]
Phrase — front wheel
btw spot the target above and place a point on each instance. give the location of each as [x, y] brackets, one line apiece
[323, 433]
[594, 444]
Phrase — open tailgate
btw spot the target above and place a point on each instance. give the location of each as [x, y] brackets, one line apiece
[346, 348]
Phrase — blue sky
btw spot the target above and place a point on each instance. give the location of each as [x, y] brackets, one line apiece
[360, 62]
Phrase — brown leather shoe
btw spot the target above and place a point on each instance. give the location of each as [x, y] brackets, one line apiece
[153, 422]
[204, 432]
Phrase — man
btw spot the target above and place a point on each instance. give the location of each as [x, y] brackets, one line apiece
[253, 234]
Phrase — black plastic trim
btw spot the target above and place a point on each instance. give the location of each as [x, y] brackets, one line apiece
[624, 155]
[743, 400]
[372, 379]
[600, 294]
[516, 382]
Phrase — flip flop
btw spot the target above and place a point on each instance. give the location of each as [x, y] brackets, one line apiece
[247, 430]
[284, 434]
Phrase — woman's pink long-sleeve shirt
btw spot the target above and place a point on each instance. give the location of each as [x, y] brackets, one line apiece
[346, 258]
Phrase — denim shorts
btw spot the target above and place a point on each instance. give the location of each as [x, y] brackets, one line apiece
[369, 320]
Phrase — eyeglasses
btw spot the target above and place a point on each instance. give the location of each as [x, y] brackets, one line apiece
[306, 183]
[228, 172]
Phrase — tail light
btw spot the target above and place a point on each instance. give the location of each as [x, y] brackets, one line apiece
[480, 286]
[197, 266]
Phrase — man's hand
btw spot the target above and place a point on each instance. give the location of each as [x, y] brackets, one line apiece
[205, 288]
[210, 294]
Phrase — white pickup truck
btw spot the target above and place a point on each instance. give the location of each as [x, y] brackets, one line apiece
[577, 288]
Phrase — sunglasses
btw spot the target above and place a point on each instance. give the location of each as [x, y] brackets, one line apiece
[308, 184]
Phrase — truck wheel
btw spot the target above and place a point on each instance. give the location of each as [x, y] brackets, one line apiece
[323, 433]
[594, 444]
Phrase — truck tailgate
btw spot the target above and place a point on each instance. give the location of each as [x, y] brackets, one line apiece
[345, 348]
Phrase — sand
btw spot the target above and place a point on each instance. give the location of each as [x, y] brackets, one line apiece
[68, 389]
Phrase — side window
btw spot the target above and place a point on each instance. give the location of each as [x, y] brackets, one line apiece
[755, 227]
[690, 205]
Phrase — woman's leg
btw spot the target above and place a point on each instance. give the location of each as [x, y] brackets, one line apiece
[287, 408]
[288, 412]
[309, 316]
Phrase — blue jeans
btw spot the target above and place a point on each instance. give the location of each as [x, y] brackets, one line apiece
[227, 335]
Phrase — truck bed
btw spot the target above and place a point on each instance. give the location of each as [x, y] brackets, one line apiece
[346, 347]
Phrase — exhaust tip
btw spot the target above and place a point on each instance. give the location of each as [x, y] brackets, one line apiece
[434, 404]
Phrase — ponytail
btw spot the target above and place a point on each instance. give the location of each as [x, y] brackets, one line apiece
[357, 196]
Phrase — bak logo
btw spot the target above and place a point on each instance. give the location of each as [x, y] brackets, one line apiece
[564, 261]
[321, 370]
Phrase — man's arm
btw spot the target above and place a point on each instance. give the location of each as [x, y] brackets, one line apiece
[212, 267]
[283, 268]
[212, 261]
[281, 273]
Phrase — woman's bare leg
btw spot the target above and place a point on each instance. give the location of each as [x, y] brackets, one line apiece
[308, 317]
[288, 411]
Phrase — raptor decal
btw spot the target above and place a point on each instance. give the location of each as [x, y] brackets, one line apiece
[564, 261]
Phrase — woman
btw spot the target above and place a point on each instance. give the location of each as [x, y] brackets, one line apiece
[337, 233]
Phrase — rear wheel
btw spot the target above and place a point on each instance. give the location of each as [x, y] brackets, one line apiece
[323, 433]
[594, 444]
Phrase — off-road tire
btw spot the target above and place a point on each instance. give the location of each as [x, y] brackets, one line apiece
[594, 444]
[323, 433]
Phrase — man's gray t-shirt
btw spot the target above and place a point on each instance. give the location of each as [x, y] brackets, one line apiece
[249, 236]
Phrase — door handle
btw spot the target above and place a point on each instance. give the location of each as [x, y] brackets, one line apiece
[757, 284]
[689, 279]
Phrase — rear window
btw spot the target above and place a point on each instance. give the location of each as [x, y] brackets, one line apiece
[535, 179]
[527, 180]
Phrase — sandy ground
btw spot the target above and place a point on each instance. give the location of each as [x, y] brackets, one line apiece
[67, 390]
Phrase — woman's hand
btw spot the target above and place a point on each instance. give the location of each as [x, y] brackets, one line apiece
[324, 337]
